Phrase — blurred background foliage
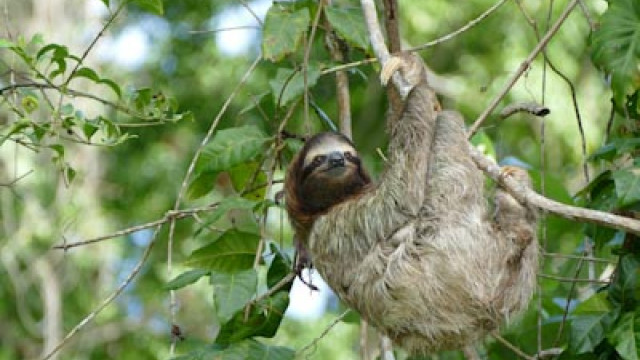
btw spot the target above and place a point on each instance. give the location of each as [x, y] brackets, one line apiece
[95, 142]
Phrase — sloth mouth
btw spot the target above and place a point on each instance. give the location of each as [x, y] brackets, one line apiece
[336, 170]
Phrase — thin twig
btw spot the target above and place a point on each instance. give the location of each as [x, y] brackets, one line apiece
[523, 67]
[466, 27]
[324, 332]
[108, 299]
[578, 257]
[572, 280]
[14, 181]
[274, 289]
[305, 59]
[511, 347]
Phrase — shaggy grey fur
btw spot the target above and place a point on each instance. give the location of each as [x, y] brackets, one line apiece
[420, 256]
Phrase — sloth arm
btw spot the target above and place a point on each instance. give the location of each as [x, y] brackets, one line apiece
[352, 227]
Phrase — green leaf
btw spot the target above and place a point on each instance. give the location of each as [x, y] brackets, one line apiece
[246, 177]
[232, 251]
[59, 149]
[59, 57]
[625, 336]
[231, 292]
[88, 73]
[30, 103]
[106, 3]
[264, 320]
[89, 128]
[350, 25]
[289, 84]
[588, 331]
[230, 203]
[627, 186]
[201, 185]
[624, 289]
[280, 267]
[596, 304]
[152, 6]
[231, 147]
[186, 278]
[4, 43]
[113, 85]
[245, 350]
[282, 31]
[616, 45]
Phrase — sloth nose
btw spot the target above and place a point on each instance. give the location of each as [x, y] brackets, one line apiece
[336, 159]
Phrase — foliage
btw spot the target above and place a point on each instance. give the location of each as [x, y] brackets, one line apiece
[226, 229]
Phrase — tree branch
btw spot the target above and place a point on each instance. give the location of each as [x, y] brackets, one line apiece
[523, 67]
[487, 165]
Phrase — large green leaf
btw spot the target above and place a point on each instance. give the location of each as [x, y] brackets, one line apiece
[627, 186]
[625, 336]
[289, 84]
[282, 31]
[349, 24]
[232, 251]
[245, 350]
[232, 291]
[263, 320]
[616, 45]
[231, 147]
[590, 322]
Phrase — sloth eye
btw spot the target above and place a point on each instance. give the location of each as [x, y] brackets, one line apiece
[318, 160]
[348, 155]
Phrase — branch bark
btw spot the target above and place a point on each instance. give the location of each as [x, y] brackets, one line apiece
[486, 164]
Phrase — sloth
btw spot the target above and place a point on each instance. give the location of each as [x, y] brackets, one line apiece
[420, 254]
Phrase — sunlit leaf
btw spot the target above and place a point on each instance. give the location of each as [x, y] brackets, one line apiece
[30, 103]
[231, 291]
[4, 43]
[186, 278]
[596, 304]
[283, 30]
[248, 177]
[245, 350]
[349, 23]
[231, 147]
[232, 251]
[152, 6]
[289, 84]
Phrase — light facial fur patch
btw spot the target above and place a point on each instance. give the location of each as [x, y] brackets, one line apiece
[326, 147]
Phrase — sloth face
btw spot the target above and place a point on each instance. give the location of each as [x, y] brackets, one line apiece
[331, 171]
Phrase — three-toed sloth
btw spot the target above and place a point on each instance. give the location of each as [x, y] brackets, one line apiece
[420, 255]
